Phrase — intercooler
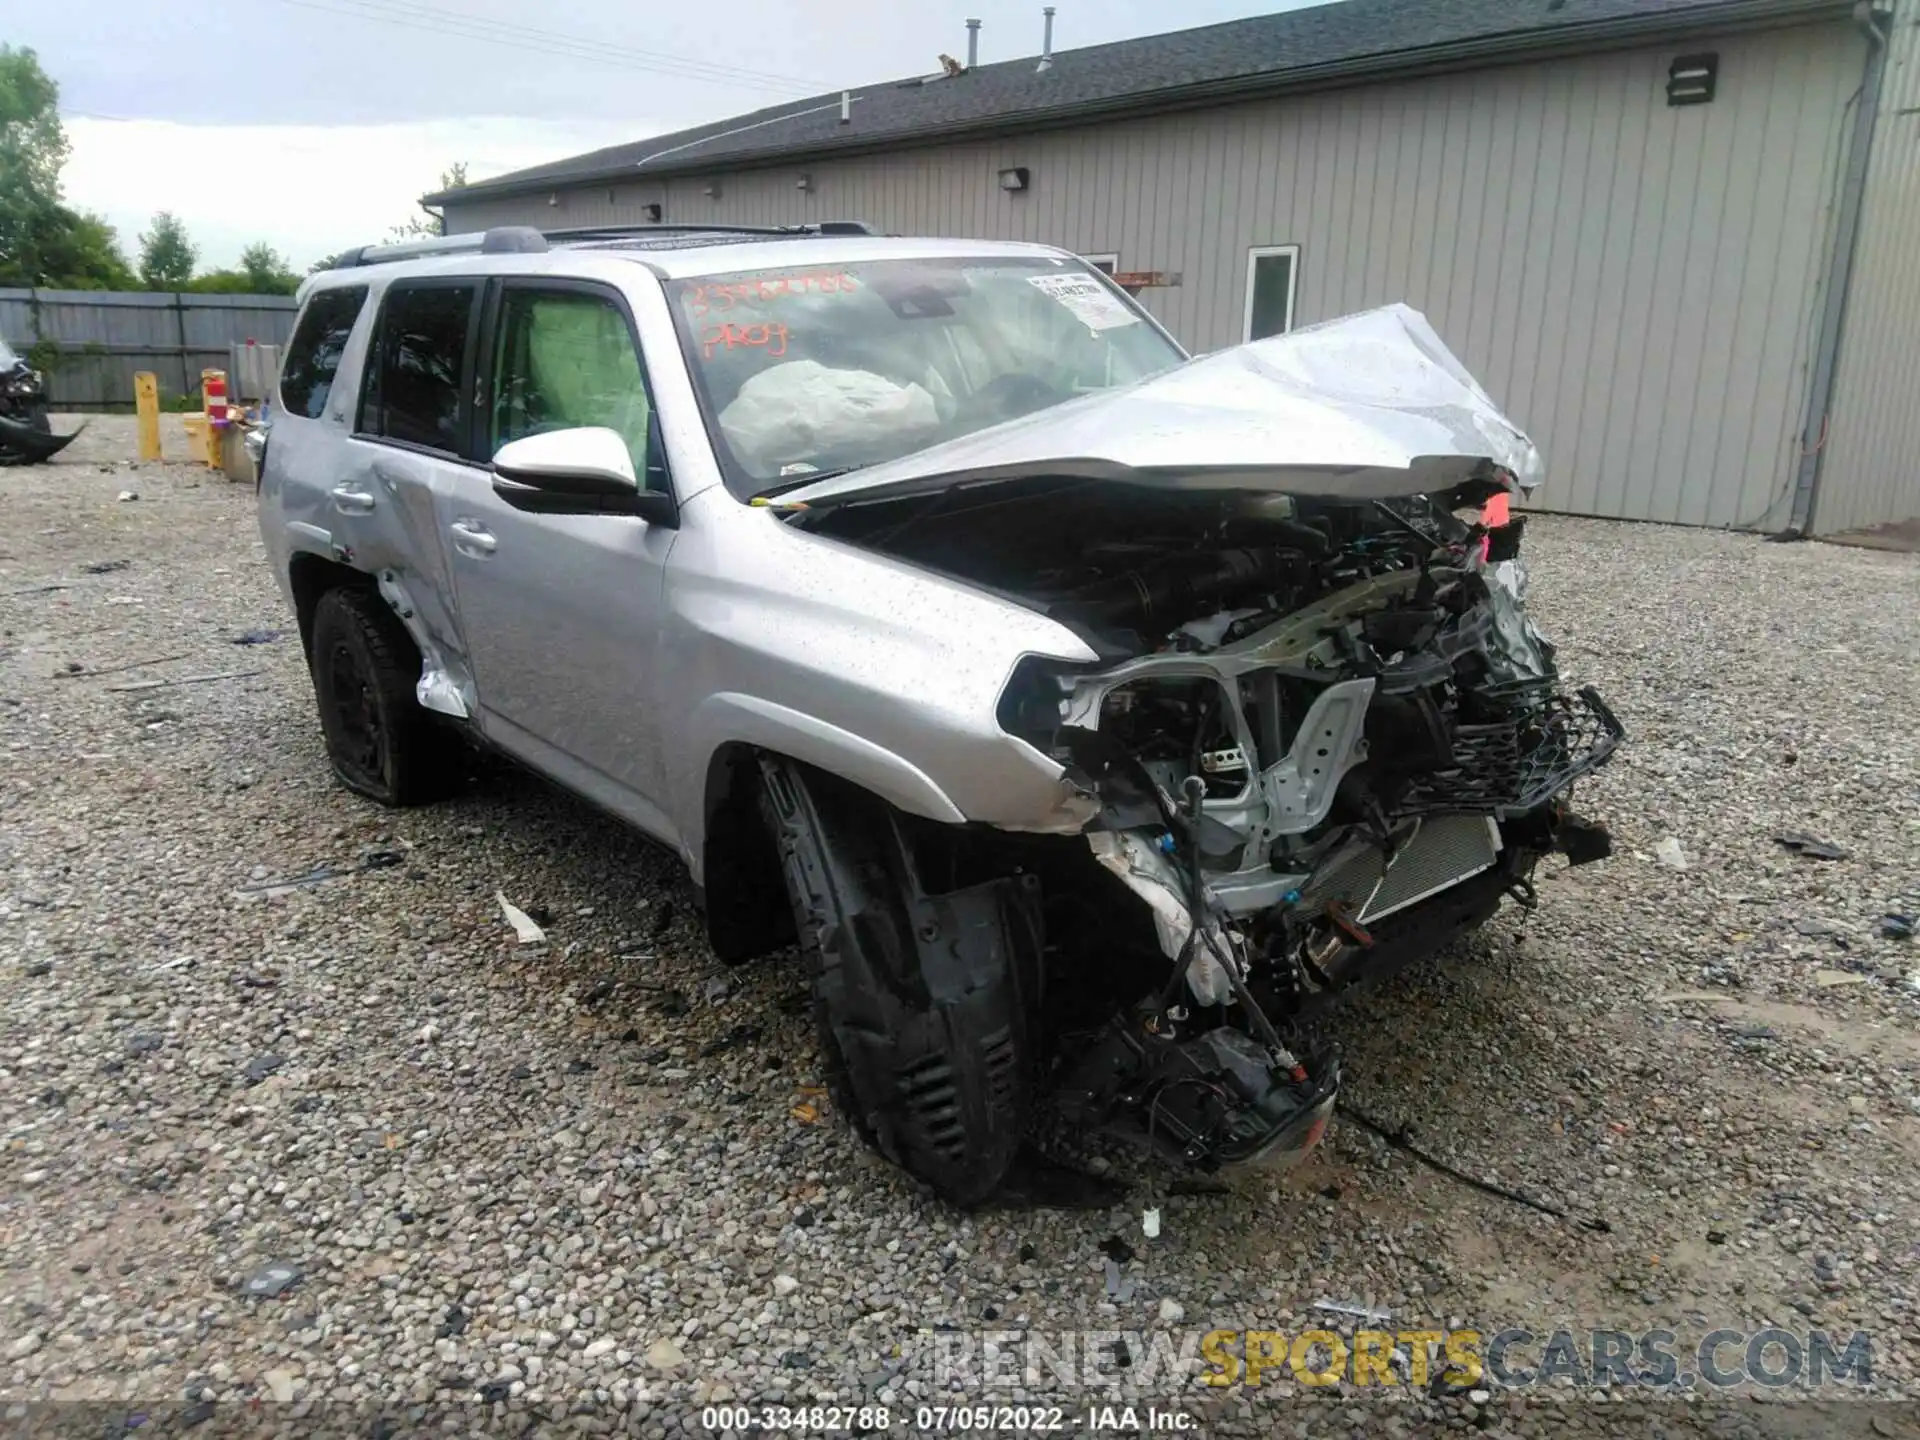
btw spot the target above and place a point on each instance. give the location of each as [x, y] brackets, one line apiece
[1428, 854]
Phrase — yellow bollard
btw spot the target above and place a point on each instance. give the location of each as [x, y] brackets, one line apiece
[146, 404]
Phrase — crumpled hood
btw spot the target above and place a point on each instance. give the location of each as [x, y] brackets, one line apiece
[1366, 407]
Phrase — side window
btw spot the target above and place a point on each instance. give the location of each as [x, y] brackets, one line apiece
[1271, 271]
[313, 355]
[566, 358]
[413, 379]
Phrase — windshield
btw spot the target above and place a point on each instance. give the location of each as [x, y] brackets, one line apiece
[818, 369]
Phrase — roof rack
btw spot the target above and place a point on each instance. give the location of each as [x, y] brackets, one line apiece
[525, 240]
[623, 232]
[500, 240]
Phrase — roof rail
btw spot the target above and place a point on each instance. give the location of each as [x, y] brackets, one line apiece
[500, 240]
[525, 240]
[620, 232]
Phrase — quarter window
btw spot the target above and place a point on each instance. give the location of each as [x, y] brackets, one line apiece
[566, 358]
[313, 356]
[1271, 272]
[414, 391]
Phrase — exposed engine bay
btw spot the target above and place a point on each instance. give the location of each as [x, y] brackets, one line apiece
[1323, 737]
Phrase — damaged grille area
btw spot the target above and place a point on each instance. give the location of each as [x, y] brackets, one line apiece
[1519, 764]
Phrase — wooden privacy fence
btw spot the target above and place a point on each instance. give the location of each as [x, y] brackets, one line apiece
[91, 343]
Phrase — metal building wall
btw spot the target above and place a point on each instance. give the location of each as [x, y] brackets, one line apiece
[1871, 472]
[1636, 283]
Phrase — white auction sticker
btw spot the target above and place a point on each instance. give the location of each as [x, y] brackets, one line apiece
[1092, 303]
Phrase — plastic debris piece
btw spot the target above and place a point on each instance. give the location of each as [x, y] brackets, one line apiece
[105, 567]
[1150, 1223]
[806, 1113]
[524, 930]
[1833, 979]
[1353, 1308]
[1896, 927]
[273, 1278]
[256, 637]
[126, 495]
[1116, 1249]
[1113, 1279]
[1810, 846]
[1669, 853]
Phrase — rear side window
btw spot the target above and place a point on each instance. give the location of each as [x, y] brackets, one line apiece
[313, 356]
[414, 393]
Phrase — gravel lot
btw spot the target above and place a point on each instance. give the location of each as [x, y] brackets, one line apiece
[584, 1175]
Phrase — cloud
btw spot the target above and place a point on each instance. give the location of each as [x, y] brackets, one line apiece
[307, 190]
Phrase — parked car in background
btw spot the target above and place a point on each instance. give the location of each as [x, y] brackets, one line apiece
[26, 433]
[1091, 716]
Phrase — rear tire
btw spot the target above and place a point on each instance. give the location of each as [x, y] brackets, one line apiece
[381, 742]
[927, 1005]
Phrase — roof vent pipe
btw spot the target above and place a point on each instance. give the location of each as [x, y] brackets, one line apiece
[1046, 43]
[846, 107]
[973, 43]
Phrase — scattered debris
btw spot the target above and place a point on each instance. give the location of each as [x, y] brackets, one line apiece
[1114, 1248]
[39, 590]
[1716, 1237]
[806, 1113]
[1150, 1223]
[454, 1324]
[1834, 979]
[717, 990]
[126, 495]
[1027, 1253]
[1353, 1308]
[256, 637]
[76, 670]
[261, 1066]
[105, 567]
[38, 968]
[144, 1044]
[279, 1385]
[273, 1278]
[1669, 853]
[1399, 1141]
[1813, 848]
[1172, 1312]
[524, 930]
[1896, 927]
[319, 875]
[672, 1004]
[181, 680]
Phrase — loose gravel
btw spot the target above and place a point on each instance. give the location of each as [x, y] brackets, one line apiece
[291, 1117]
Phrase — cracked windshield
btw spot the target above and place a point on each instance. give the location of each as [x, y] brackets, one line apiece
[814, 370]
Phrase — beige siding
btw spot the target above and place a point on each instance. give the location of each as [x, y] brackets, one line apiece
[1871, 471]
[1635, 282]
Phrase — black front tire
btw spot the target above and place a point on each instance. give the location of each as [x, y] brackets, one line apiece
[381, 742]
[927, 1005]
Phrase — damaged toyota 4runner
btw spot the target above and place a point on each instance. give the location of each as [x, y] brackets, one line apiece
[1090, 715]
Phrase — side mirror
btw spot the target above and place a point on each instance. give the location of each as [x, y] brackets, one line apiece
[581, 471]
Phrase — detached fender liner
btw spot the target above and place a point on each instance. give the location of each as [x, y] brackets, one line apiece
[928, 1004]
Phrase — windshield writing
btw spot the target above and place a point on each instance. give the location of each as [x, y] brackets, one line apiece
[806, 371]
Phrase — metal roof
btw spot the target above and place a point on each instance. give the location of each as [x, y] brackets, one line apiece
[1330, 44]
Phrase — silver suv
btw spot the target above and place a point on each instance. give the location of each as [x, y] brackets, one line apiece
[1091, 716]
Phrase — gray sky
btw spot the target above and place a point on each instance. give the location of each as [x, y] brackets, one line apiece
[332, 114]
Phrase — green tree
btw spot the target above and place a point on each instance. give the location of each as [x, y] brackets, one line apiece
[434, 223]
[76, 251]
[167, 256]
[267, 271]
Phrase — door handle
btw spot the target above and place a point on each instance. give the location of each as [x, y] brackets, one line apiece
[349, 501]
[470, 537]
